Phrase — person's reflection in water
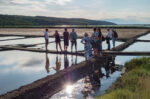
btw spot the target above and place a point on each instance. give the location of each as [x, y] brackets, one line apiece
[58, 64]
[66, 62]
[47, 63]
[92, 83]
[76, 60]
[113, 65]
[73, 60]
[107, 69]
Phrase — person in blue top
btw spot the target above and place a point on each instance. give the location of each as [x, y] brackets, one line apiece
[73, 39]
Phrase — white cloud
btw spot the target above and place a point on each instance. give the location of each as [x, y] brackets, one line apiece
[61, 2]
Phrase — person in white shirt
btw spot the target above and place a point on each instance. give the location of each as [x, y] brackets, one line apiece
[46, 38]
[108, 37]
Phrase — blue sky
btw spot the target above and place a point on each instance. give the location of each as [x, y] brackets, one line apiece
[119, 11]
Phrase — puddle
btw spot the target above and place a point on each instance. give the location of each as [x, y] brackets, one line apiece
[146, 37]
[19, 68]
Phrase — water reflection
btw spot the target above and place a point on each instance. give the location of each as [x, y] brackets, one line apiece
[95, 80]
[66, 62]
[69, 89]
[47, 63]
[58, 64]
[74, 60]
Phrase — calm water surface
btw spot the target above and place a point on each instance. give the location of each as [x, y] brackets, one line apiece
[19, 68]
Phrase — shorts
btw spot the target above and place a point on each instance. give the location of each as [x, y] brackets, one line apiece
[74, 42]
[66, 42]
[46, 41]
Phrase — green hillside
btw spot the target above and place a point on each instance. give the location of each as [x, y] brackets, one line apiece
[17, 20]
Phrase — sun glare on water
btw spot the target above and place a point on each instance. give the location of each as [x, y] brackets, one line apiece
[69, 89]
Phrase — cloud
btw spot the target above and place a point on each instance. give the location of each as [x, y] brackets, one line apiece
[90, 9]
[60, 2]
[33, 62]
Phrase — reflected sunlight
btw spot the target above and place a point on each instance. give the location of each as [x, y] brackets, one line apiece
[69, 89]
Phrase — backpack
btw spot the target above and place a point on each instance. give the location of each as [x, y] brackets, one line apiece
[115, 34]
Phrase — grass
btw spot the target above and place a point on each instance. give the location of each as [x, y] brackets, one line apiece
[134, 84]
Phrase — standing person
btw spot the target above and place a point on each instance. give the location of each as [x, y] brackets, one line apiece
[114, 37]
[108, 37]
[57, 40]
[94, 42]
[46, 38]
[99, 41]
[87, 46]
[66, 39]
[73, 39]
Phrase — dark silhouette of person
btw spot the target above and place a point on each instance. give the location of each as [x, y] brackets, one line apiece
[47, 63]
[66, 39]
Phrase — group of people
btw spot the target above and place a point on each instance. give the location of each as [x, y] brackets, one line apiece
[66, 35]
[94, 42]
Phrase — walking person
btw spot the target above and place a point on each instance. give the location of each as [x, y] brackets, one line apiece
[114, 37]
[87, 46]
[46, 38]
[57, 40]
[73, 39]
[108, 37]
[94, 41]
[99, 41]
[66, 39]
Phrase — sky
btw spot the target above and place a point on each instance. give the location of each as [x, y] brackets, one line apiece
[118, 11]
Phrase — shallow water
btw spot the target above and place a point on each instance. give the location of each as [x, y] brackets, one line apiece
[19, 68]
[25, 41]
[105, 81]
[10, 37]
[139, 46]
[146, 37]
[27, 67]
[84, 89]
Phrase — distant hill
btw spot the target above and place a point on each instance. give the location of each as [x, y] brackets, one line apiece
[17, 20]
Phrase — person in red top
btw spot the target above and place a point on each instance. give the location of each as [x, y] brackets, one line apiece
[66, 39]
